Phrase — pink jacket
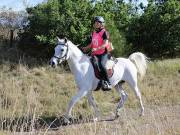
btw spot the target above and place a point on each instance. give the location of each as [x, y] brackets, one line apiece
[97, 41]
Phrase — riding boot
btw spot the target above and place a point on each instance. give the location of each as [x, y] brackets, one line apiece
[107, 83]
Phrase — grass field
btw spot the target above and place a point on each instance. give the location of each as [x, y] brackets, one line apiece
[30, 93]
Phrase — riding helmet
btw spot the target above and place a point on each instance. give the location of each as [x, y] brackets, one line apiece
[99, 19]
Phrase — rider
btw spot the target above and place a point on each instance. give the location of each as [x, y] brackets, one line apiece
[100, 45]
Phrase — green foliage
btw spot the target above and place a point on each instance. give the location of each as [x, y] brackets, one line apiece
[56, 17]
[72, 19]
[157, 31]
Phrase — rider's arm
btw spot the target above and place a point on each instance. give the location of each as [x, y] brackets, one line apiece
[87, 47]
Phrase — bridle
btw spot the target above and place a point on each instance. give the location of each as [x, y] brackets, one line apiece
[65, 55]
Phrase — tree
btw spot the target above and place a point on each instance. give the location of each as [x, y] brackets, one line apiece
[73, 19]
[157, 31]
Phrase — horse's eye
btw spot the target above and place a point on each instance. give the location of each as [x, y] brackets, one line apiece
[62, 50]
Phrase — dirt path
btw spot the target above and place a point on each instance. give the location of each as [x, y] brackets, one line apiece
[164, 120]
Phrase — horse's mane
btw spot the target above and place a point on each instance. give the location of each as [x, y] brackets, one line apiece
[77, 50]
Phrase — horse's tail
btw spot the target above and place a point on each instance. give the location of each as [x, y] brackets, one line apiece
[140, 61]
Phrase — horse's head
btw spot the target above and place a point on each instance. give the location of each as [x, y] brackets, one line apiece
[61, 52]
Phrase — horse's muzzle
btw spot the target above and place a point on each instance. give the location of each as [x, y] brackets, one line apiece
[52, 64]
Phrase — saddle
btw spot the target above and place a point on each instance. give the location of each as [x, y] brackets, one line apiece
[109, 65]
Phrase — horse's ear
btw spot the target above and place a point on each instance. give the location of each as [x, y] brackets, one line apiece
[65, 40]
[58, 39]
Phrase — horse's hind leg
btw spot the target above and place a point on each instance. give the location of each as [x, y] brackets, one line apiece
[94, 105]
[134, 86]
[138, 95]
[123, 95]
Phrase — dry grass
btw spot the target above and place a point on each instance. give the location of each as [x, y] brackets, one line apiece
[27, 94]
[157, 120]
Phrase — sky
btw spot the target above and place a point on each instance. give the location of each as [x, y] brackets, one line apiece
[18, 5]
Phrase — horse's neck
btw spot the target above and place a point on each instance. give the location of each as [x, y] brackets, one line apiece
[76, 59]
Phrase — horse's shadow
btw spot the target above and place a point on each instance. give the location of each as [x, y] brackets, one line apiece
[54, 123]
[51, 123]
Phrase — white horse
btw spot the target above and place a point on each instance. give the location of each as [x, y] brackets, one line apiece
[80, 65]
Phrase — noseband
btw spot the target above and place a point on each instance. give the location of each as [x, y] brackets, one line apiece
[65, 55]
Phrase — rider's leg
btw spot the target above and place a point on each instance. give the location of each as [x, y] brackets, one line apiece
[100, 66]
[104, 58]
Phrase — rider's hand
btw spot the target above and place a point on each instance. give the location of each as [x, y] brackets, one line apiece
[84, 49]
[94, 49]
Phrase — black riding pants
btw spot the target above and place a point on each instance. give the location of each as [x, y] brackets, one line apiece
[103, 71]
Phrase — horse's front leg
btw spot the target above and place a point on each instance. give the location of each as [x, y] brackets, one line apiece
[81, 93]
[94, 105]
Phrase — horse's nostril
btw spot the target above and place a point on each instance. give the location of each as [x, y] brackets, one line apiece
[52, 63]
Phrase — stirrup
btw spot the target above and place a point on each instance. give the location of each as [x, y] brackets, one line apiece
[106, 86]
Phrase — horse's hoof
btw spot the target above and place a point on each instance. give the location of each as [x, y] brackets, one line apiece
[95, 119]
[141, 114]
[67, 120]
[117, 114]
